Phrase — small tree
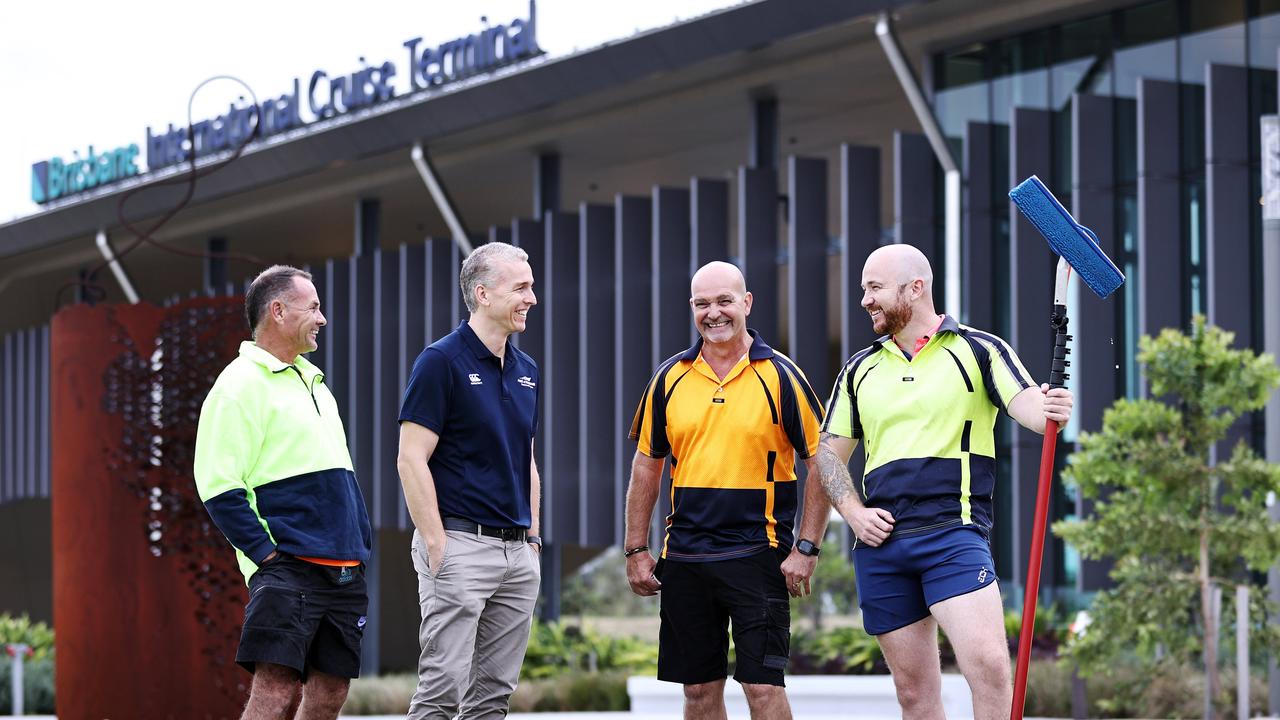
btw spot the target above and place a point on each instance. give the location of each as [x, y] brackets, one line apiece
[1175, 524]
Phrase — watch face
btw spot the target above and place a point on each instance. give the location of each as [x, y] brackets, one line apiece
[807, 548]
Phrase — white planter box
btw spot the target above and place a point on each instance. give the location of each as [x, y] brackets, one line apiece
[811, 696]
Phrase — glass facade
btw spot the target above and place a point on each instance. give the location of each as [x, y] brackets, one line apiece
[1107, 54]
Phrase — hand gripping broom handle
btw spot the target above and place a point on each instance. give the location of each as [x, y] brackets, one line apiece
[1057, 378]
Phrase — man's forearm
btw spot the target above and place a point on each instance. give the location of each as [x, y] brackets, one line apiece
[836, 481]
[817, 508]
[420, 497]
[642, 494]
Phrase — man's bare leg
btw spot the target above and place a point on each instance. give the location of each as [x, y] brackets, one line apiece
[912, 655]
[974, 623]
[274, 687]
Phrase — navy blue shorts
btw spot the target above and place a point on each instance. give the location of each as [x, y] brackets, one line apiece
[900, 580]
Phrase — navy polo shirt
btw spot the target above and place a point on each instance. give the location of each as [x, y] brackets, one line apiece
[486, 413]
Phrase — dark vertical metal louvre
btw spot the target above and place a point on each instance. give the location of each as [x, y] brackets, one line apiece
[807, 269]
[596, 377]
[1159, 215]
[1032, 294]
[1095, 354]
[977, 264]
[758, 243]
[709, 205]
[632, 336]
[560, 428]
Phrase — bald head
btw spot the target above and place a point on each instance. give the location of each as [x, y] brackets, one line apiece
[898, 264]
[716, 275]
[721, 304]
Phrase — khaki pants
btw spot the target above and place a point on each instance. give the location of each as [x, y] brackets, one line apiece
[477, 606]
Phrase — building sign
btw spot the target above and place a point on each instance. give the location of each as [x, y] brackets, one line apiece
[55, 178]
[318, 97]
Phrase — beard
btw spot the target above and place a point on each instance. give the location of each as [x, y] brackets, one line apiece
[895, 318]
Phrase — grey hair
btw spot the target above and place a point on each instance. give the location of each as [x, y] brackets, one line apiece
[270, 284]
[480, 268]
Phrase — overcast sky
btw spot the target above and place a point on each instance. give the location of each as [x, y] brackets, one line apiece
[75, 74]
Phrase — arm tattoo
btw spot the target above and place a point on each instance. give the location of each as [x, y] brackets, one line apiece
[834, 473]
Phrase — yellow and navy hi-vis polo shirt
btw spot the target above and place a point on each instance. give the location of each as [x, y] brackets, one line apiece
[927, 422]
[732, 444]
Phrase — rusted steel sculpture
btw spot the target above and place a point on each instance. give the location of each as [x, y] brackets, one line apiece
[147, 599]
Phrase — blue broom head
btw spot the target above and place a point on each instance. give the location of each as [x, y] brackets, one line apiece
[1067, 237]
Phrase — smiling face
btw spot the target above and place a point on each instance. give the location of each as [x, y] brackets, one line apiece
[720, 303]
[300, 316]
[507, 301]
[891, 284]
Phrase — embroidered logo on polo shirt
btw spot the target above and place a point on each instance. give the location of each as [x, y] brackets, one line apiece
[475, 379]
[526, 381]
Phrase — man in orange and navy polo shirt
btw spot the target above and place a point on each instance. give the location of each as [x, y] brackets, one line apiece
[732, 414]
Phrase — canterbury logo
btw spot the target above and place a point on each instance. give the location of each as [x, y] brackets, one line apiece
[526, 381]
[982, 575]
[475, 379]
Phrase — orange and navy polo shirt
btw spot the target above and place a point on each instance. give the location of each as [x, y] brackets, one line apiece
[732, 443]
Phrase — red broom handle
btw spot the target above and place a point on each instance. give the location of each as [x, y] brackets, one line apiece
[1033, 568]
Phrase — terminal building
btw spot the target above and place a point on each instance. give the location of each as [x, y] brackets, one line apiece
[775, 134]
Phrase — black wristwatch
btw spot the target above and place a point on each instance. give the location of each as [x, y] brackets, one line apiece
[808, 548]
[534, 540]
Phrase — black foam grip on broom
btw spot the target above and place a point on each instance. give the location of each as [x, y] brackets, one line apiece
[1058, 372]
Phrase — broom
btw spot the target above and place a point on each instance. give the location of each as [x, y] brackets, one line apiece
[1077, 250]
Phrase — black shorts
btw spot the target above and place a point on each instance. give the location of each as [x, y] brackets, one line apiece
[305, 616]
[700, 600]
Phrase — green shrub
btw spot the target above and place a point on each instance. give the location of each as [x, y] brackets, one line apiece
[37, 676]
[20, 629]
[600, 692]
[380, 695]
[558, 648]
[1132, 691]
[839, 651]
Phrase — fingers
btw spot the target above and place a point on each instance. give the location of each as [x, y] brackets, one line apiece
[640, 575]
[884, 519]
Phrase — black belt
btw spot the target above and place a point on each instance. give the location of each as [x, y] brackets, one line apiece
[466, 526]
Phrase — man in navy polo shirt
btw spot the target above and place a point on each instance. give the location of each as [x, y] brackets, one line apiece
[466, 463]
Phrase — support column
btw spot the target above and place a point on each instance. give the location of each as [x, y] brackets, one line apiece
[758, 244]
[598, 485]
[1096, 354]
[1032, 303]
[632, 340]
[215, 267]
[546, 184]
[763, 152]
[368, 226]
